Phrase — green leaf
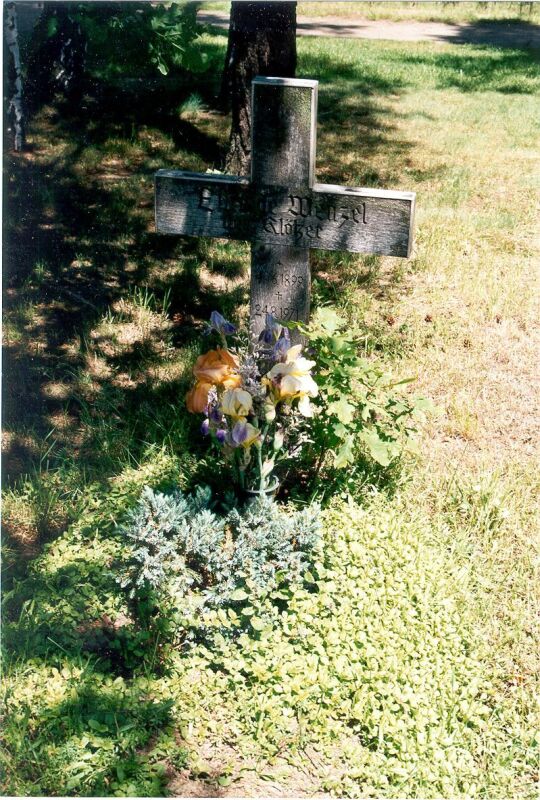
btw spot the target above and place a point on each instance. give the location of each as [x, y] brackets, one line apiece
[239, 594]
[341, 346]
[345, 454]
[340, 430]
[343, 410]
[52, 27]
[97, 726]
[329, 319]
[257, 623]
[425, 405]
[380, 451]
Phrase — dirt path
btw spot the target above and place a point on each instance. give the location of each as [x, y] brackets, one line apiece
[499, 34]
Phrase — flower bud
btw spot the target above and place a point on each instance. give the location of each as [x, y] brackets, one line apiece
[269, 412]
[279, 438]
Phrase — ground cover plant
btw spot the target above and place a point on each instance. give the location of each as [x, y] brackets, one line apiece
[404, 661]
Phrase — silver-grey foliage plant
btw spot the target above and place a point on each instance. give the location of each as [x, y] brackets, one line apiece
[179, 546]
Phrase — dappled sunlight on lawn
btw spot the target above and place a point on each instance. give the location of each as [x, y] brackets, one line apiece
[403, 663]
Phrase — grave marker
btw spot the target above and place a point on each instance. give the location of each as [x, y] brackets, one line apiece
[281, 210]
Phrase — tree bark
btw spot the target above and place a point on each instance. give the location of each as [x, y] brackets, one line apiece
[15, 107]
[262, 41]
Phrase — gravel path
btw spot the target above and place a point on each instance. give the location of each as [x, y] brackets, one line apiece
[499, 34]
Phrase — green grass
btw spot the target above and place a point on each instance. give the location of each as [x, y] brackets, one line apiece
[387, 686]
[409, 668]
[443, 11]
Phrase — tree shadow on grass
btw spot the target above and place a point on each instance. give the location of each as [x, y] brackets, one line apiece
[73, 611]
[354, 120]
[508, 33]
[95, 740]
[483, 69]
[79, 238]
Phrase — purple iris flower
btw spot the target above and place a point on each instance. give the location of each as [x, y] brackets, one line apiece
[216, 415]
[282, 345]
[239, 433]
[266, 336]
[221, 435]
[219, 324]
[272, 330]
[205, 427]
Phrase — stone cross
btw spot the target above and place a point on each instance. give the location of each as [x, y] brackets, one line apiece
[281, 210]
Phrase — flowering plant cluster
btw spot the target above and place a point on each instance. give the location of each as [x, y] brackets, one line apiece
[253, 398]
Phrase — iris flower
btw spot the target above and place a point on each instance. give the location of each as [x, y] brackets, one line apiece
[271, 331]
[197, 398]
[215, 368]
[219, 324]
[292, 379]
[282, 346]
[244, 435]
[236, 403]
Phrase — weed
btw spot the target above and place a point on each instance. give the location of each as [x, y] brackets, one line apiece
[192, 105]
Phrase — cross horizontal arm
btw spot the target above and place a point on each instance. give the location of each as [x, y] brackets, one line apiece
[325, 217]
[201, 204]
[361, 220]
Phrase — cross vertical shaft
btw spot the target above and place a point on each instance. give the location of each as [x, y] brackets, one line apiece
[284, 113]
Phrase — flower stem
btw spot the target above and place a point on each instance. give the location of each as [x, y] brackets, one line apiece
[259, 458]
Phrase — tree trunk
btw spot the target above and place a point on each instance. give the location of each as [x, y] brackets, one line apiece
[15, 108]
[262, 41]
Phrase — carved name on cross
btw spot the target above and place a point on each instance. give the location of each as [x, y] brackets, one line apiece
[281, 210]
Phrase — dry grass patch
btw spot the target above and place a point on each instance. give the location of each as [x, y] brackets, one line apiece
[445, 11]
[462, 315]
[423, 11]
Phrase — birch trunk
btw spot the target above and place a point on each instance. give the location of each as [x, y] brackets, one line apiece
[15, 109]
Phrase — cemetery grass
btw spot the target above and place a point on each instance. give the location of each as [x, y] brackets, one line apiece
[410, 668]
[462, 12]
[450, 12]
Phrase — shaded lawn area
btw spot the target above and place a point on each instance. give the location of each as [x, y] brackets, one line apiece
[410, 669]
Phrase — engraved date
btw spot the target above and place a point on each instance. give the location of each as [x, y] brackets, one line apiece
[279, 311]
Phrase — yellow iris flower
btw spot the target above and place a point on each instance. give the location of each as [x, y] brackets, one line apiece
[292, 379]
[236, 403]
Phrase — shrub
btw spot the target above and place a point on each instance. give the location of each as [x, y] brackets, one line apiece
[358, 411]
[271, 546]
[160, 537]
[184, 555]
